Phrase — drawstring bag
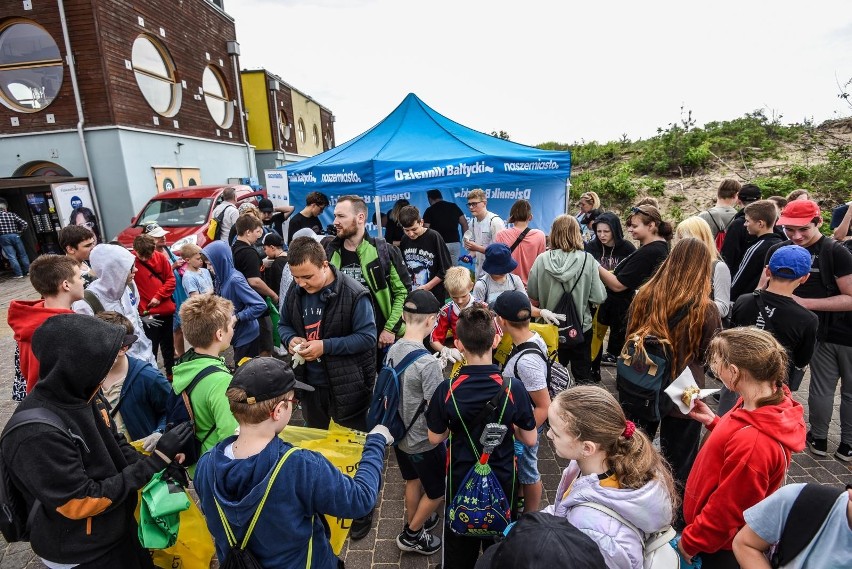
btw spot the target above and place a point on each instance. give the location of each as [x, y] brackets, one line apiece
[239, 557]
[163, 499]
[480, 507]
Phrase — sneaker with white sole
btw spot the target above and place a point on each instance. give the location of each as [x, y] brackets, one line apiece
[423, 543]
[818, 447]
[844, 452]
[609, 360]
[431, 522]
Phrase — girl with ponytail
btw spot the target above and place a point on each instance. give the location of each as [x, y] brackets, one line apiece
[746, 456]
[613, 464]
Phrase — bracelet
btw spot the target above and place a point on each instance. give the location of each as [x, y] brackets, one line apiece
[159, 453]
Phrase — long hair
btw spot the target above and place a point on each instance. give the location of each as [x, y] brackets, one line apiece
[696, 227]
[592, 414]
[682, 282]
[397, 206]
[565, 234]
[755, 352]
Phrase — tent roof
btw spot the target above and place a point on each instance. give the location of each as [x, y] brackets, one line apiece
[414, 139]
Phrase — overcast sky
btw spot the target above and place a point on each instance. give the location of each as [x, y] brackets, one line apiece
[554, 70]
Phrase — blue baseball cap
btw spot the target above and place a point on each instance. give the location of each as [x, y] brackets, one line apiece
[790, 262]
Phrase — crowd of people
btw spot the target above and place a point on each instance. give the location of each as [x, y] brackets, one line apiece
[747, 293]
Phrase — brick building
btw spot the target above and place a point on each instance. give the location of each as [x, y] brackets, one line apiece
[127, 98]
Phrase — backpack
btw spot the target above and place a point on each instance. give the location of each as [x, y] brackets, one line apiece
[15, 519]
[510, 276]
[179, 410]
[720, 231]
[558, 379]
[385, 405]
[238, 557]
[214, 230]
[644, 371]
[571, 333]
[810, 510]
[93, 301]
[480, 507]
[656, 551]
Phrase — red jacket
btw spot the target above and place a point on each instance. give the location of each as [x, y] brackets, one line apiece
[24, 317]
[155, 280]
[744, 460]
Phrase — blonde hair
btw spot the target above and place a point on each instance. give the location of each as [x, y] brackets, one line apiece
[457, 281]
[592, 414]
[189, 251]
[756, 352]
[565, 234]
[477, 194]
[591, 198]
[699, 229]
[201, 315]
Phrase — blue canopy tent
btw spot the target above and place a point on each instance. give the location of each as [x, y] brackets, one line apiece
[415, 149]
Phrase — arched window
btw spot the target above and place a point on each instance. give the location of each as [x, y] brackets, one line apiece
[30, 67]
[155, 75]
[316, 136]
[301, 129]
[216, 96]
[284, 126]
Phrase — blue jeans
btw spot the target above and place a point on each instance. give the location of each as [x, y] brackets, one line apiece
[13, 249]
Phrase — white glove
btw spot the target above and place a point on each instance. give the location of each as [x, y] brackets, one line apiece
[552, 317]
[382, 430]
[452, 355]
[297, 358]
[150, 442]
[151, 321]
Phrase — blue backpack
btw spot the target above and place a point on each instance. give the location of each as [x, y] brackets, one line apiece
[384, 407]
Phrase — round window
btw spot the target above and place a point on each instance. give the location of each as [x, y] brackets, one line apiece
[216, 97]
[30, 67]
[301, 129]
[155, 75]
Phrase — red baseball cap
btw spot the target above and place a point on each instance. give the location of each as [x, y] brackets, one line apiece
[799, 213]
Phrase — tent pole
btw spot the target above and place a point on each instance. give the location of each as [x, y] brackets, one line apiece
[378, 216]
[567, 195]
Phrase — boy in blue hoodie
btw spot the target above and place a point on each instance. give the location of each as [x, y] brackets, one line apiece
[248, 305]
[232, 479]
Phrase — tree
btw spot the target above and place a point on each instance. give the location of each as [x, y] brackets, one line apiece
[502, 134]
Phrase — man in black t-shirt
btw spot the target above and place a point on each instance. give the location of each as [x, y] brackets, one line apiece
[828, 293]
[248, 261]
[273, 216]
[774, 310]
[315, 204]
[737, 239]
[445, 218]
[454, 407]
[424, 252]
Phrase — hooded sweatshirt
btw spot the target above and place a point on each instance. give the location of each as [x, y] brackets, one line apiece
[610, 256]
[306, 487]
[24, 317]
[649, 508]
[88, 488]
[557, 271]
[209, 403]
[744, 460]
[112, 264]
[231, 284]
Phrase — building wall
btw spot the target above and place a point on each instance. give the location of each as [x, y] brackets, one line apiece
[256, 102]
[309, 113]
[327, 131]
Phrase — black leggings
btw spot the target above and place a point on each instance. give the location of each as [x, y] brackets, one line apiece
[579, 357]
[163, 337]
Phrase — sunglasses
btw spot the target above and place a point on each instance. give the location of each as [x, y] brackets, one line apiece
[473, 204]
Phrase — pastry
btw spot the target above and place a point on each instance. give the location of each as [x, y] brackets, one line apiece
[689, 394]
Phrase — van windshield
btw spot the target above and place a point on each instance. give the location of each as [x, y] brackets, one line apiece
[177, 212]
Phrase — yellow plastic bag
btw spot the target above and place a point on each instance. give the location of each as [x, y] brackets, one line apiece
[343, 448]
[598, 334]
[194, 548]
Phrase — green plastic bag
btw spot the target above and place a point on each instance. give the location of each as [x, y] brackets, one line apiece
[276, 317]
[163, 500]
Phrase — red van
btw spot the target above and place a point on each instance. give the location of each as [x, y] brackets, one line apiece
[184, 212]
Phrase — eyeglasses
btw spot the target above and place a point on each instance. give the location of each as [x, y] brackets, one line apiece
[473, 204]
[88, 224]
[636, 210]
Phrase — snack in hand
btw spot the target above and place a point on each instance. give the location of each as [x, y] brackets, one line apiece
[689, 394]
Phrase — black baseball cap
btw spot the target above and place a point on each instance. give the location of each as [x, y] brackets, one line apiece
[266, 378]
[272, 239]
[421, 302]
[513, 305]
[266, 205]
[749, 193]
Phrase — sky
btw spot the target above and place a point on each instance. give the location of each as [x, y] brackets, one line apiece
[555, 70]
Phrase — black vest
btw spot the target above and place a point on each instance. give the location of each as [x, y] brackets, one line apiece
[351, 377]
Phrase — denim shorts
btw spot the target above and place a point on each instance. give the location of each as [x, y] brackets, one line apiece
[528, 461]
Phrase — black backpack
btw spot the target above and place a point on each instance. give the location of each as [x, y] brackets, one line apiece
[15, 519]
[810, 510]
[558, 379]
[179, 410]
[571, 331]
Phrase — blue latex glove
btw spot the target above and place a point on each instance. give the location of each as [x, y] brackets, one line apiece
[696, 561]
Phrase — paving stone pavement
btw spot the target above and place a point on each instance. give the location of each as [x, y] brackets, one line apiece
[379, 548]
